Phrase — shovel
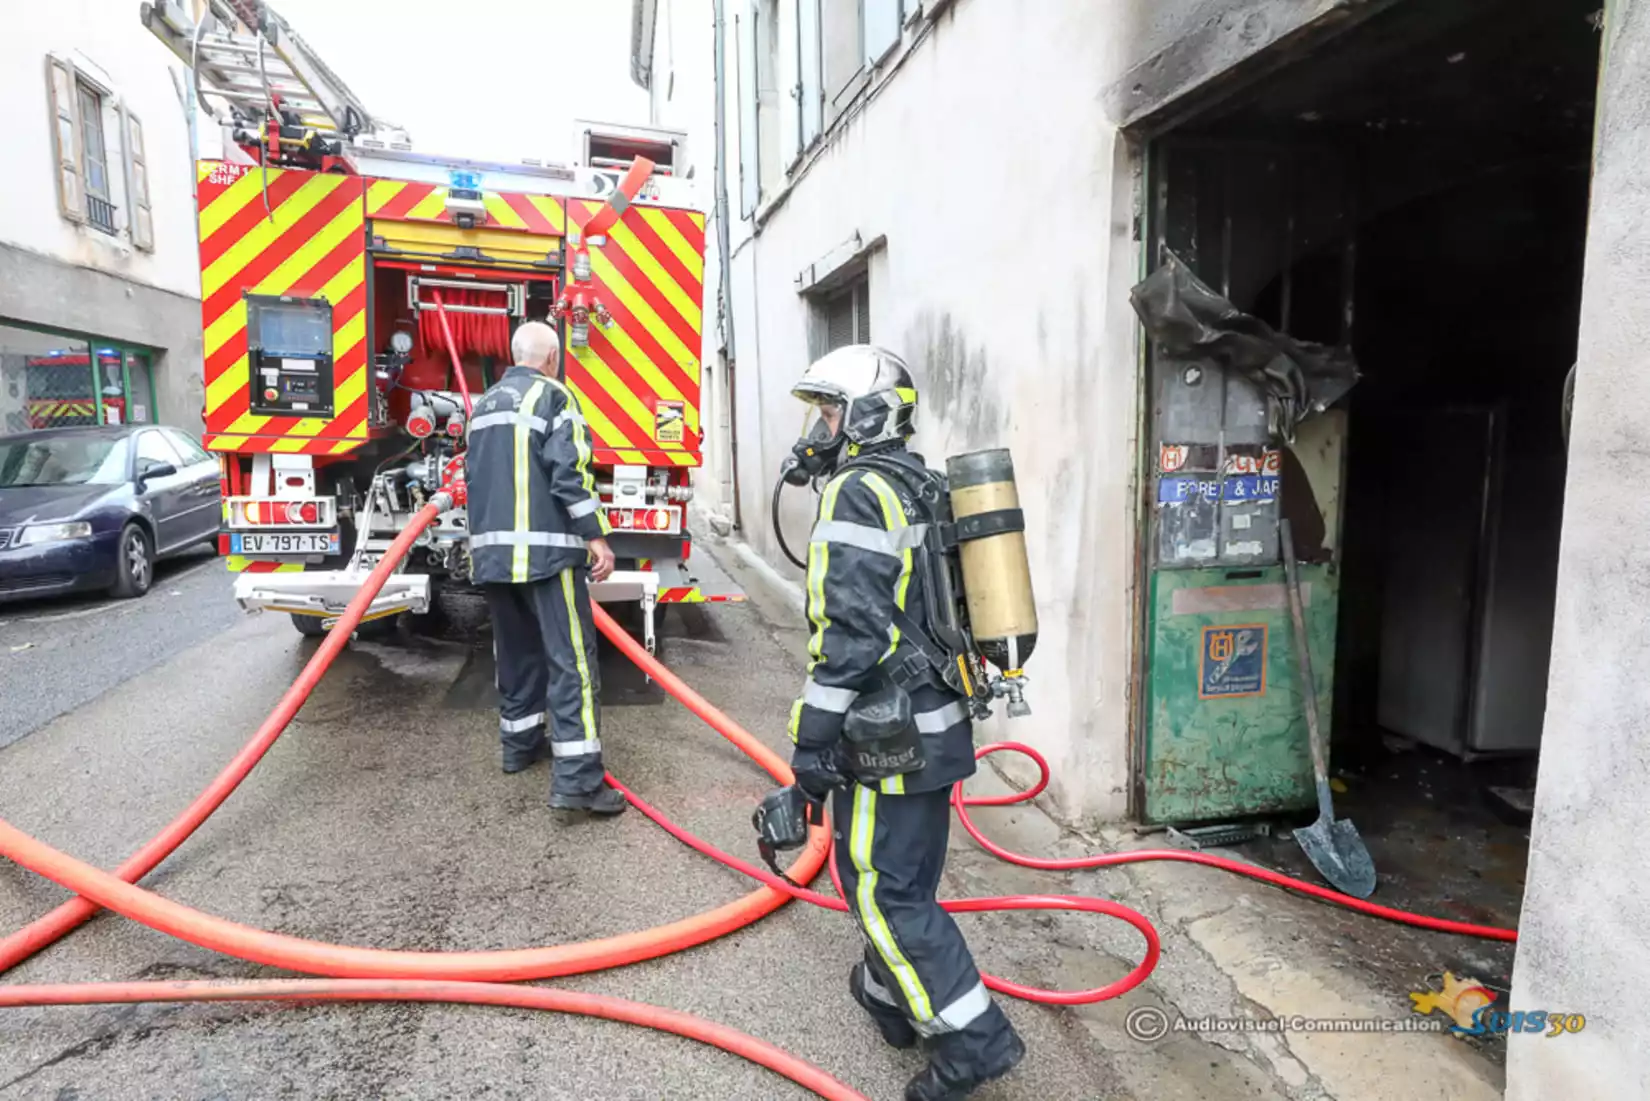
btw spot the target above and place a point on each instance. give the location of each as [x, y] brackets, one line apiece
[1334, 848]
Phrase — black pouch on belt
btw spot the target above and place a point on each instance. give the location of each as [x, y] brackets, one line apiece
[881, 736]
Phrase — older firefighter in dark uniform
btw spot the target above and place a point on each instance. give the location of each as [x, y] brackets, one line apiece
[868, 657]
[535, 523]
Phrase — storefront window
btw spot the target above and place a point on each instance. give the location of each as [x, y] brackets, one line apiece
[45, 381]
[49, 380]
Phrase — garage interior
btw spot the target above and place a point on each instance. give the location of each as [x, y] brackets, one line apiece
[1416, 187]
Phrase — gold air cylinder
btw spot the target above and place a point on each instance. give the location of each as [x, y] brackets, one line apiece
[996, 575]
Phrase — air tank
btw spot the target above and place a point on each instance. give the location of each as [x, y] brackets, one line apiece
[996, 574]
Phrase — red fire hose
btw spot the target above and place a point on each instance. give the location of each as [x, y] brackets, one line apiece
[366, 974]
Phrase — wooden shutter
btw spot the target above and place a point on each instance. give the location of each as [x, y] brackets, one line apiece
[61, 88]
[750, 179]
[810, 98]
[882, 29]
[137, 185]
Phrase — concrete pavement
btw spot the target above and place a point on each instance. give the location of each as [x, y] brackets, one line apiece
[381, 819]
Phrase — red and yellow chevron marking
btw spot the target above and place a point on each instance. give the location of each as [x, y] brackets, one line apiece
[690, 595]
[650, 276]
[310, 243]
[47, 408]
[402, 201]
[239, 563]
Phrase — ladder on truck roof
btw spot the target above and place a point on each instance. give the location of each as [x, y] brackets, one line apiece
[245, 54]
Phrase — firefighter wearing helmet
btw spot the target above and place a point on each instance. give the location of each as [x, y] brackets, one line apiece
[918, 980]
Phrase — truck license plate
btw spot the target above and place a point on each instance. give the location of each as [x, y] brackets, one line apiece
[313, 542]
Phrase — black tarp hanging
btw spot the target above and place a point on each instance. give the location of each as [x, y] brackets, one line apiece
[1191, 322]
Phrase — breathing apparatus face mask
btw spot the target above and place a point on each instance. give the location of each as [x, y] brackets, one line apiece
[815, 452]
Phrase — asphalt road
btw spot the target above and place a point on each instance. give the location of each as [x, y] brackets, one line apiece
[58, 654]
[381, 818]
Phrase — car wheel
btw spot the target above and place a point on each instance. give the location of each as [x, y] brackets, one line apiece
[134, 562]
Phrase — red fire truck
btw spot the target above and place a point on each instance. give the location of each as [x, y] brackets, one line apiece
[353, 287]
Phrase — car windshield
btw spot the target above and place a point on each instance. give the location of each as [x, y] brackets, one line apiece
[61, 461]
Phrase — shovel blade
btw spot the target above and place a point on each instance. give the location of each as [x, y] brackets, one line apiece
[1338, 853]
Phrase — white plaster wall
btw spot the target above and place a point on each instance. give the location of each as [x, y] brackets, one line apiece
[1006, 206]
[1581, 946]
[682, 97]
[106, 39]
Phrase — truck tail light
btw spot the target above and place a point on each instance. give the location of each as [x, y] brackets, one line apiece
[256, 513]
[648, 521]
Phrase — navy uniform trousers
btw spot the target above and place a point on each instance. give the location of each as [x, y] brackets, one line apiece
[890, 853]
[545, 646]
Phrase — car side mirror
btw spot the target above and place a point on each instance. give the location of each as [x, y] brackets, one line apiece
[159, 470]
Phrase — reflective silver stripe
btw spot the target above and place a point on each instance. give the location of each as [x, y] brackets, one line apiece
[959, 1014]
[875, 990]
[525, 539]
[565, 417]
[619, 201]
[516, 726]
[576, 749]
[582, 508]
[835, 700]
[872, 539]
[509, 420]
[943, 719]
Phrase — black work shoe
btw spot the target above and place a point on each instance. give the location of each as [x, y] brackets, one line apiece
[933, 1084]
[514, 763]
[604, 800]
[896, 1030]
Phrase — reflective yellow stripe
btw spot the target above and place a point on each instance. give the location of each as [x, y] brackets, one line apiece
[524, 514]
[860, 833]
[796, 718]
[587, 712]
[893, 515]
[581, 444]
[819, 563]
[893, 785]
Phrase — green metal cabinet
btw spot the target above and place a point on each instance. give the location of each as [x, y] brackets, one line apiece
[1215, 750]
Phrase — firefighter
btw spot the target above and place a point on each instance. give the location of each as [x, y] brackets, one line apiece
[536, 524]
[917, 980]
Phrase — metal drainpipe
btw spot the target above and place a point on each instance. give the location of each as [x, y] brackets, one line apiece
[724, 300]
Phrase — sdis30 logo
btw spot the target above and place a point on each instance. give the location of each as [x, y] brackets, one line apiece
[1472, 1009]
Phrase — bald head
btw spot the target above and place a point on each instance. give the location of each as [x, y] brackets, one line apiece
[535, 345]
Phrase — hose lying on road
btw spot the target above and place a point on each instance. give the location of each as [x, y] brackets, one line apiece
[365, 974]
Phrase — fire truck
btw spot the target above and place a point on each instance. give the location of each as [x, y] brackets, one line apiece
[355, 292]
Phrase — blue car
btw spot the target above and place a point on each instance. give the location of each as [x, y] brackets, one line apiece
[87, 509]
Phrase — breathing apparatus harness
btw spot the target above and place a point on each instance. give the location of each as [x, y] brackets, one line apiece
[880, 739]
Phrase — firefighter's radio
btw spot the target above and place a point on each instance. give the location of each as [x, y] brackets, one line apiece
[289, 356]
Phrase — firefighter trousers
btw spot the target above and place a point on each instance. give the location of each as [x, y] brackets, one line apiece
[544, 643]
[890, 853]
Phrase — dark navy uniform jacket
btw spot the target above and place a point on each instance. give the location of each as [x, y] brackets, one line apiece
[863, 559]
[533, 501]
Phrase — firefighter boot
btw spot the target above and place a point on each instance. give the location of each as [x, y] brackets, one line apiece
[872, 997]
[961, 1062]
[605, 800]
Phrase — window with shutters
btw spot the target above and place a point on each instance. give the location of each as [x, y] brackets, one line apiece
[843, 317]
[101, 163]
[94, 154]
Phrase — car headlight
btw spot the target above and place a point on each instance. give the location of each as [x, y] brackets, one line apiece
[54, 533]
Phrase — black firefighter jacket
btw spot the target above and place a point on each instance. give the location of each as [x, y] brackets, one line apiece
[533, 501]
[863, 559]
